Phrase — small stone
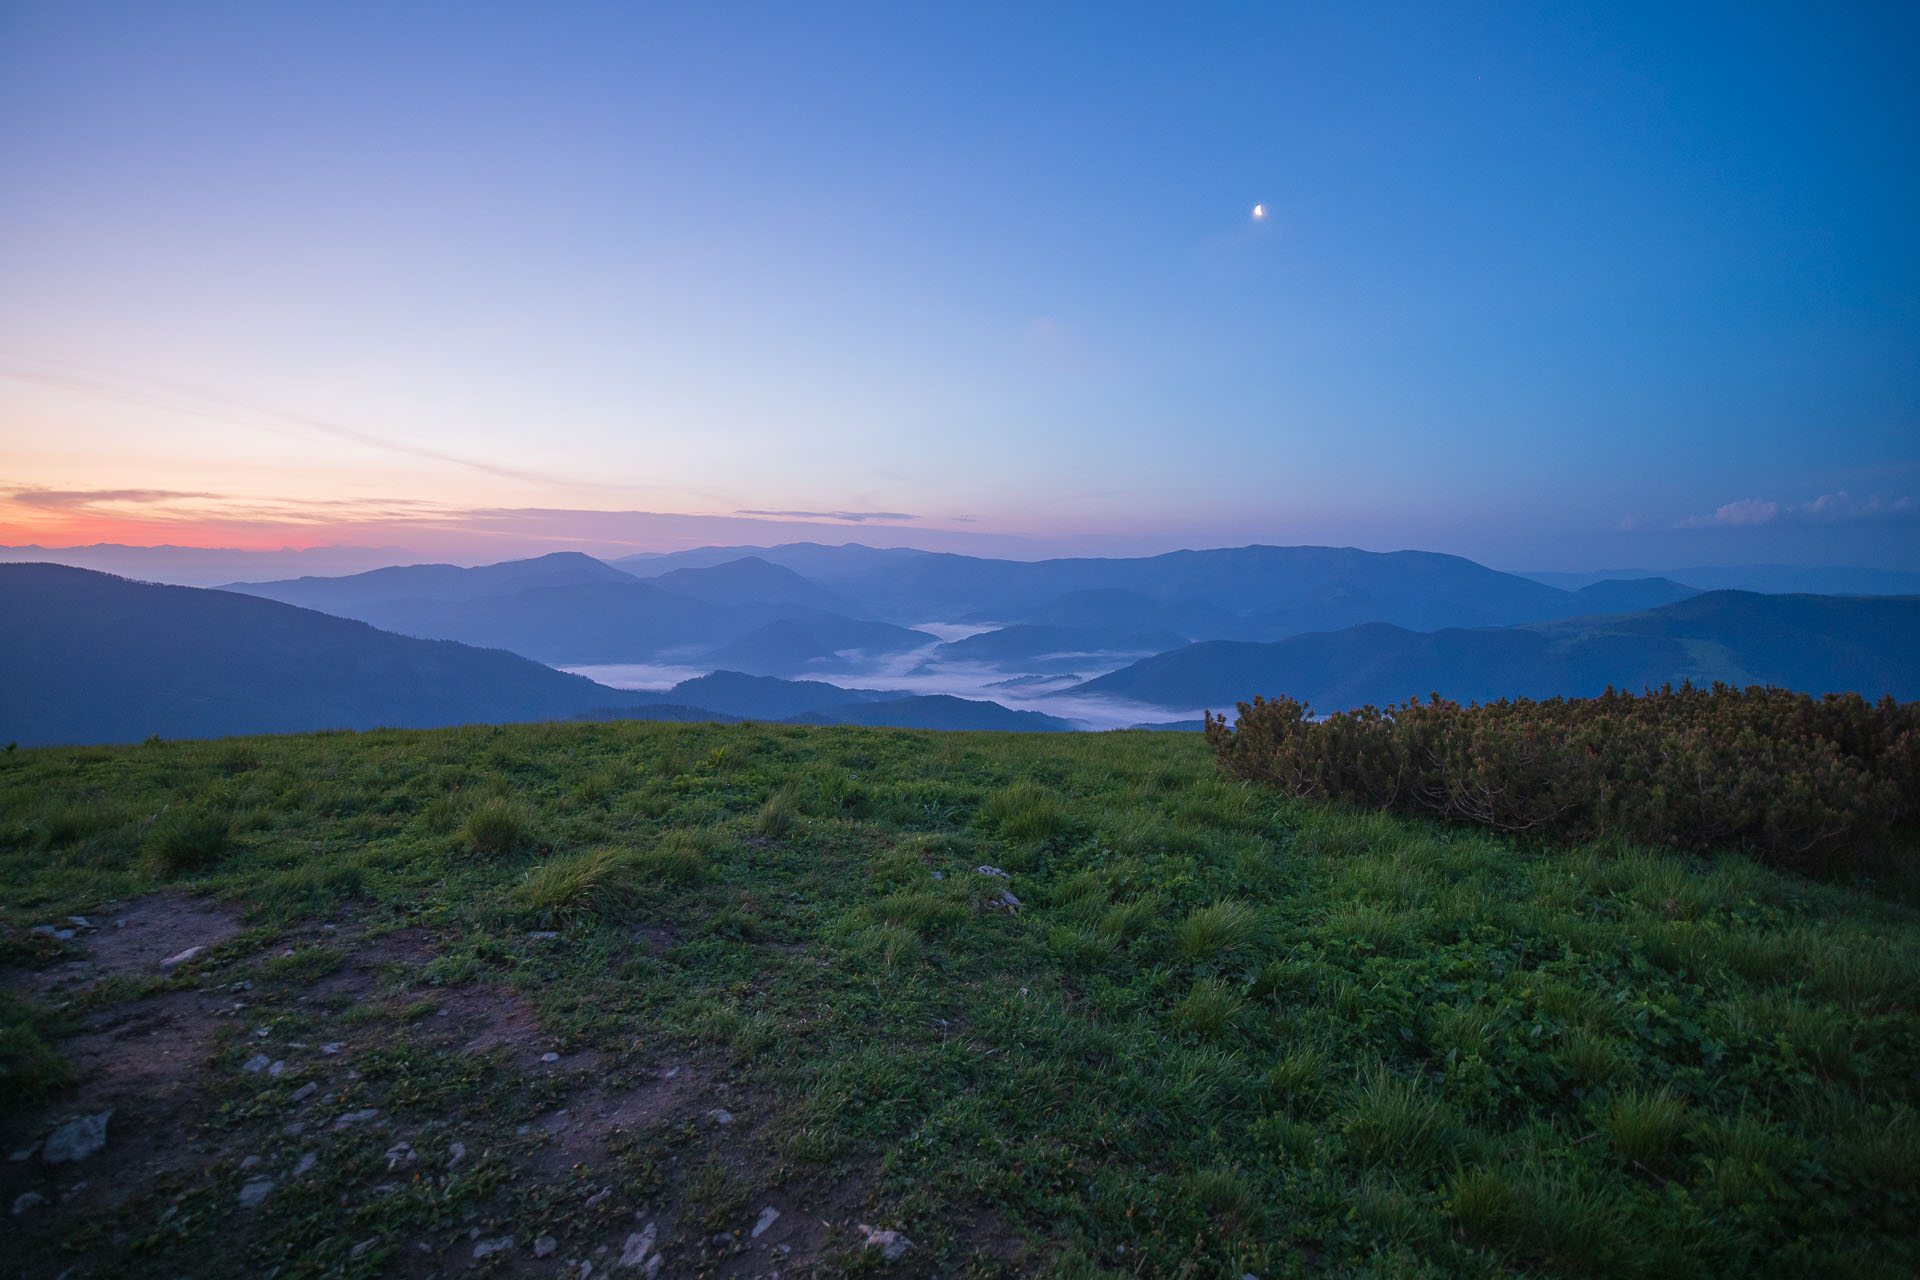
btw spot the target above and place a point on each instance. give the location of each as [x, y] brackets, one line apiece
[352, 1118]
[294, 1129]
[287, 954]
[939, 875]
[275, 1069]
[251, 1162]
[456, 1152]
[549, 1057]
[257, 1063]
[1008, 901]
[262, 1032]
[77, 1139]
[399, 1156]
[768, 1216]
[335, 1047]
[363, 1246]
[653, 1266]
[27, 1200]
[544, 1246]
[174, 961]
[891, 1244]
[304, 1092]
[386, 1189]
[720, 1115]
[599, 1197]
[24, 1153]
[307, 1161]
[487, 1248]
[79, 920]
[992, 871]
[543, 934]
[634, 1252]
[255, 1191]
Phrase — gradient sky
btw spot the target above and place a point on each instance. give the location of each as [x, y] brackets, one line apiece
[1635, 286]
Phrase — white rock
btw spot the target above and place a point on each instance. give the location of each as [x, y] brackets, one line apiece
[251, 1162]
[891, 1244]
[487, 1248]
[26, 1200]
[549, 1057]
[634, 1252]
[255, 1191]
[257, 1063]
[79, 920]
[335, 1047]
[768, 1216]
[307, 1161]
[304, 1092]
[352, 1118]
[720, 1115]
[363, 1246]
[182, 958]
[77, 1139]
[599, 1197]
[24, 1153]
[456, 1152]
[399, 1156]
[544, 1246]
[275, 1069]
[992, 871]
[653, 1266]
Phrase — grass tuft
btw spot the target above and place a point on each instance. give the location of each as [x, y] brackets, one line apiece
[185, 840]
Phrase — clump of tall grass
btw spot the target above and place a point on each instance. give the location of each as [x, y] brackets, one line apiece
[1391, 1120]
[682, 856]
[1025, 811]
[582, 885]
[1208, 1008]
[779, 813]
[1226, 927]
[189, 839]
[498, 825]
[1645, 1126]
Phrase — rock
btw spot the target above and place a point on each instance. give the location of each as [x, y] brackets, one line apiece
[399, 1156]
[27, 1200]
[1008, 901]
[544, 1246]
[456, 1153]
[720, 1116]
[275, 1069]
[307, 1161]
[549, 1057]
[79, 920]
[599, 1197]
[487, 1248]
[653, 1266]
[939, 875]
[892, 1245]
[335, 1047]
[352, 1118]
[77, 1139]
[634, 1252]
[47, 930]
[257, 1063]
[363, 1246]
[24, 1153]
[768, 1216]
[255, 1191]
[991, 871]
[294, 1129]
[304, 1092]
[251, 1162]
[175, 961]
[542, 935]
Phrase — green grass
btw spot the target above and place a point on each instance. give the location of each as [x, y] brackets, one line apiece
[1224, 1033]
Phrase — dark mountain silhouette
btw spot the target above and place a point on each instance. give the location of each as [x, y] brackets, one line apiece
[938, 711]
[811, 645]
[810, 559]
[1627, 595]
[1773, 579]
[1021, 645]
[733, 693]
[750, 580]
[1818, 644]
[93, 658]
[350, 595]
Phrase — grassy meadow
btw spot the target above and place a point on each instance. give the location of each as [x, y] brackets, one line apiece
[1195, 1029]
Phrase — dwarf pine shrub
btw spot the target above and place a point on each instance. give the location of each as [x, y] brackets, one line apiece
[1791, 779]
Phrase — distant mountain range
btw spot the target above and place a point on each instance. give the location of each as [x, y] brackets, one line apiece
[1818, 644]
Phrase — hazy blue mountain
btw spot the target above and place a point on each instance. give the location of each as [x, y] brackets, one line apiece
[578, 623]
[750, 580]
[767, 698]
[209, 566]
[811, 645]
[1777, 579]
[1627, 595]
[352, 595]
[1117, 609]
[938, 711]
[93, 658]
[810, 559]
[1019, 646]
[1869, 645]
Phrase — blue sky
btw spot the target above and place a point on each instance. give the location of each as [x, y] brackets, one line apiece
[1557, 289]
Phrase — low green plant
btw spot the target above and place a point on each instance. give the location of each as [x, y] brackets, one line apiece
[592, 885]
[1223, 929]
[189, 839]
[498, 826]
[1645, 1125]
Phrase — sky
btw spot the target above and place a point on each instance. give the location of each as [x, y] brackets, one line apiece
[1556, 289]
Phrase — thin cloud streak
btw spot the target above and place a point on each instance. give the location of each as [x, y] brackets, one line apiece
[845, 517]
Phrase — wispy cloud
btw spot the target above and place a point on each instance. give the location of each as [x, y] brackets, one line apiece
[844, 517]
[1831, 508]
[83, 499]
